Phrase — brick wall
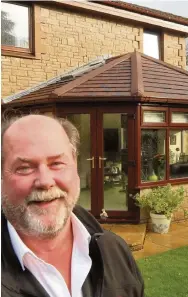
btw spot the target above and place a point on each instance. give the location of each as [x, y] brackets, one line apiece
[177, 215]
[174, 50]
[70, 39]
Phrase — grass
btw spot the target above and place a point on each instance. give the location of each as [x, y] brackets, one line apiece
[166, 274]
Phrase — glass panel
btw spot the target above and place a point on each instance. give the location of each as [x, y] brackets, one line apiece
[115, 150]
[178, 154]
[154, 117]
[151, 44]
[180, 117]
[14, 25]
[82, 123]
[153, 159]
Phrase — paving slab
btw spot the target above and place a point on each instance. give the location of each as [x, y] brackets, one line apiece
[133, 234]
[149, 249]
[183, 223]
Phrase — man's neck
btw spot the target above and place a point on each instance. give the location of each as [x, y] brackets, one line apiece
[44, 247]
[56, 251]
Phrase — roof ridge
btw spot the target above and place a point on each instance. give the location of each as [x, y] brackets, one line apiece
[137, 85]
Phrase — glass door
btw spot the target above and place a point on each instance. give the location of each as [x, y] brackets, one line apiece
[115, 169]
[85, 159]
[105, 159]
[84, 120]
[115, 151]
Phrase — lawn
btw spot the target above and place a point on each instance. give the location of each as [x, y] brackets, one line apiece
[166, 274]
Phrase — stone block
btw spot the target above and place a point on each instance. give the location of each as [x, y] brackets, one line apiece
[44, 12]
[135, 44]
[138, 38]
[13, 79]
[130, 36]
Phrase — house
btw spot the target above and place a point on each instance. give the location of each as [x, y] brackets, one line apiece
[130, 104]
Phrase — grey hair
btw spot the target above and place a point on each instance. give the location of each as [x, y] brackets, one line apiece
[69, 128]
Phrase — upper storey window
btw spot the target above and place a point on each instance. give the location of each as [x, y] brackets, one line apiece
[20, 29]
[15, 21]
[151, 45]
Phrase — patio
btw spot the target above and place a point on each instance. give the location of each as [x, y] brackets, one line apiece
[145, 243]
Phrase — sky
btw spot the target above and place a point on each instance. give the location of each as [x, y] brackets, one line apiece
[178, 7]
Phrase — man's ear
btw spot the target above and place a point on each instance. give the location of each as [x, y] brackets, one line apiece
[74, 153]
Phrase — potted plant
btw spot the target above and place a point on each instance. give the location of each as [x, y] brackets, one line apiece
[161, 202]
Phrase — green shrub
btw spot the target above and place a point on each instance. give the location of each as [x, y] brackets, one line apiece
[161, 200]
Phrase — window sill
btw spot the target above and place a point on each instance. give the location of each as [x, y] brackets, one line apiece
[17, 54]
[179, 181]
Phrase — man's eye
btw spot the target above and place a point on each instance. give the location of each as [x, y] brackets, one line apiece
[57, 165]
[24, 170]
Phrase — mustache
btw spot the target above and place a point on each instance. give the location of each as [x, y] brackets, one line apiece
[46, 195]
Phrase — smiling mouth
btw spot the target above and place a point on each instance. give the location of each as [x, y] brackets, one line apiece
[41, 202]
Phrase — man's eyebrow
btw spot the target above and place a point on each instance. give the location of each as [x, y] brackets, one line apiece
[27, 160]
[56, 156]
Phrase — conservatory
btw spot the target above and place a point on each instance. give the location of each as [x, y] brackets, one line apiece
[132, 115]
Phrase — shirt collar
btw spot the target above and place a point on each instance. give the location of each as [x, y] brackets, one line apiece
[81, 238]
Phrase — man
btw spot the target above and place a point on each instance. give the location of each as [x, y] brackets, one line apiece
[50, 247]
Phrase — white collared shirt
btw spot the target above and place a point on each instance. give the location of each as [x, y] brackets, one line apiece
[48, 276]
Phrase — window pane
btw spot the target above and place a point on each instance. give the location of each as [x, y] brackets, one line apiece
[151, 44]
[14, 25]
[178, 154]
[82, 123]
[154, 117]
[153, 159]
[180, 117]
[115, 151]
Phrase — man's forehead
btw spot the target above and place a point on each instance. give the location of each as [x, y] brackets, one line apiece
[34, 125]
[34, 130]
[29, 121]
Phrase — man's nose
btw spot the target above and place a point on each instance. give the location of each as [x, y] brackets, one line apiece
[44, 179]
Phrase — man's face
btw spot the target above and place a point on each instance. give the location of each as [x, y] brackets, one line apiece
[40, 180]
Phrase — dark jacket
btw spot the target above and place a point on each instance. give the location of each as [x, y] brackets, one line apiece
[114, 272]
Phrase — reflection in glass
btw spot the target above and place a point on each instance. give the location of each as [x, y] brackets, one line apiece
[180, 117]
[14, 25]
[115, 152]
[178, 153]
[82, 123]
[154, 117]
[153, 159]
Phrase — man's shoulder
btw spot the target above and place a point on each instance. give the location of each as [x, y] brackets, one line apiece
[94, 227]
[88, 220]
[114, 242]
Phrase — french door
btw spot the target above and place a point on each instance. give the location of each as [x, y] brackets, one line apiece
[106, 159]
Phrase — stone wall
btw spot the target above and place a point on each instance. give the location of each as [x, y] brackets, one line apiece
[177, 215]
[71, 39]
[174, 50]
[68, 40]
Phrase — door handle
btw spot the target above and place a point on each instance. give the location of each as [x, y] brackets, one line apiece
[100, 161]
[92, 161]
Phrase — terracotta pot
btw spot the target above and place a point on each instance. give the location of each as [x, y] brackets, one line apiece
[160, 223]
